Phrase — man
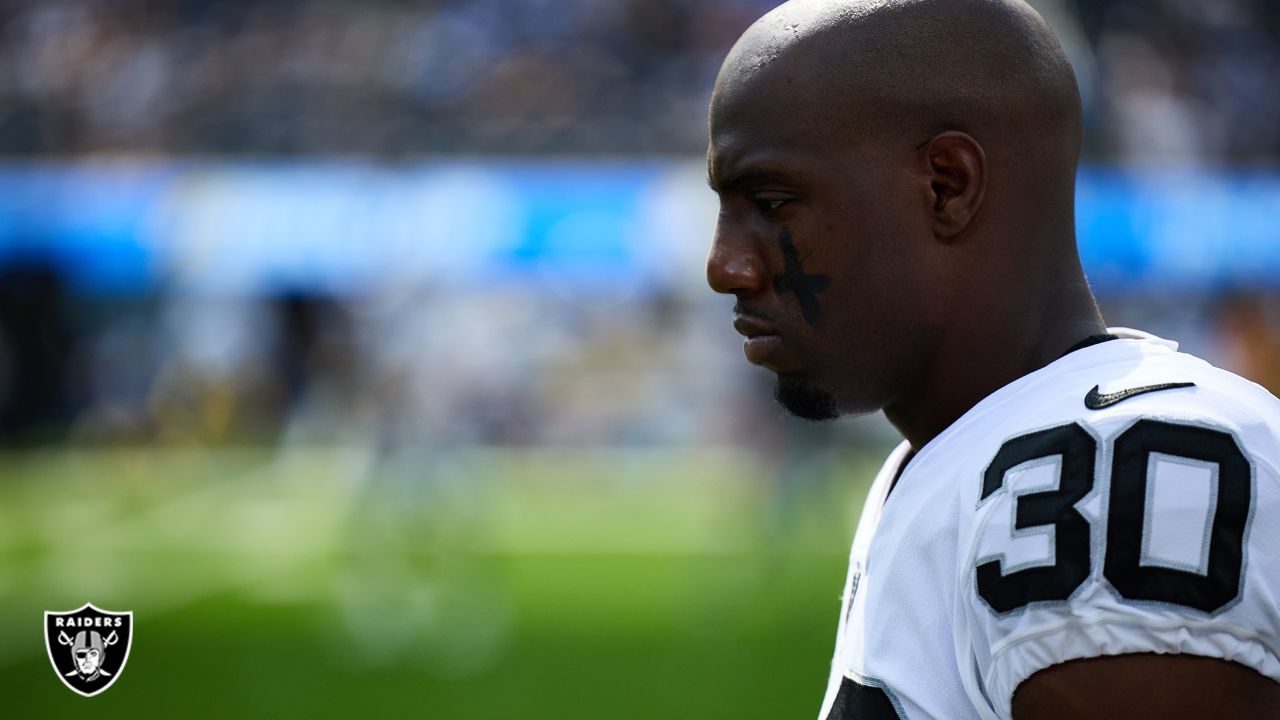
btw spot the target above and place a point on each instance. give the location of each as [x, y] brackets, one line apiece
[1081, 523]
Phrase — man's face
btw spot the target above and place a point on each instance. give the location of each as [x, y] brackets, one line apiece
[819, 238]
[87, 660]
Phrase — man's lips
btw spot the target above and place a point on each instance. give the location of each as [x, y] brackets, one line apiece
[752, 327]
[762, 340]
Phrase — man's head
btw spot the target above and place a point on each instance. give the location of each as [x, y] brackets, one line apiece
[886, 169]
[89, 651]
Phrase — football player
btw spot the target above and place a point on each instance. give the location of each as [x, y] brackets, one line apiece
[1082, 522]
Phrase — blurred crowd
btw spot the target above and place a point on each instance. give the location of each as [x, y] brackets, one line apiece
[1164, 80]
[387, 77]
[509, 365]
[440, 368]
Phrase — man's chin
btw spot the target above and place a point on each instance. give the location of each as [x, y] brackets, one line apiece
[805, 399]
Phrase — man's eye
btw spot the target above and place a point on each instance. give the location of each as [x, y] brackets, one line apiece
[768, 205]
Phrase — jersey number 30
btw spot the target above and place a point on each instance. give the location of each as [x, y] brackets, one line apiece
[1128, 503]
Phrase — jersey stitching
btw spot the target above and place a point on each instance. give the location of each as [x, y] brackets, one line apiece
[1196, 629]
[882, 685]
[1262, 460]
[1183, 623]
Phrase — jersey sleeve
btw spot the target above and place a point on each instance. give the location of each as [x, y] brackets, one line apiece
[1156, 531]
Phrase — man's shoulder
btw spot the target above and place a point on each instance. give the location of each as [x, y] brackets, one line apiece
[1180, 389]
[1119, 383]
[1124, 503]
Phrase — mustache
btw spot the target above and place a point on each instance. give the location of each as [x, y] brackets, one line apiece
[752, 313]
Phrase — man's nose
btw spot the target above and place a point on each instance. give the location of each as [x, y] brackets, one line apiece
[733, 265]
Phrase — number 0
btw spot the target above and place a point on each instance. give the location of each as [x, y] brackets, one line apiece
[1122, 566]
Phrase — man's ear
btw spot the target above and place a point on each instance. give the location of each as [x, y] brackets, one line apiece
[956, 171]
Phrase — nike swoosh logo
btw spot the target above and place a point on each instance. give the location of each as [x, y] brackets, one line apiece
[1095, 400]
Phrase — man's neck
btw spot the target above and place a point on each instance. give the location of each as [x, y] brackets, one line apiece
[986, 356]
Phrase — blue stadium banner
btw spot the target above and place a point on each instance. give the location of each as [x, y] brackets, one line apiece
[611, 226]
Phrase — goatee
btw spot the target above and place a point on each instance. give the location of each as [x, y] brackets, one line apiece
[805, 400]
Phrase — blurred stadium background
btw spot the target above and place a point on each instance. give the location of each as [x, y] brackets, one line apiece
[361, 348]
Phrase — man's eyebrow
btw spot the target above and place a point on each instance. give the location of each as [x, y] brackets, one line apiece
[744, 178]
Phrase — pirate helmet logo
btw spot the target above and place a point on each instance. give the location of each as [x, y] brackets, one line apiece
[88, 647]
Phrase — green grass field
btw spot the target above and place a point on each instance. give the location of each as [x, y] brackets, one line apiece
[470, 584]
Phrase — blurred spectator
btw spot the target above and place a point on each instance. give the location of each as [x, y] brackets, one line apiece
[1249, 337]
[35, 337]
[1185, 81]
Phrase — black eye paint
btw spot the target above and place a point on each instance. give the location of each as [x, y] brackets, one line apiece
[794, 280]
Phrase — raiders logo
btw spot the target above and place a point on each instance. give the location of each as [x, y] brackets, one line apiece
[88, 647]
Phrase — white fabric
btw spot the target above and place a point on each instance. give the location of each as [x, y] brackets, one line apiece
[912, 618]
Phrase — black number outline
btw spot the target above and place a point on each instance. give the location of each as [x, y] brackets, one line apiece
[1054, 508]
[1222, 586]
[1129, 581]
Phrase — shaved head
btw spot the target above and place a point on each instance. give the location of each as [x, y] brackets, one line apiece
[932, 64]
[902, 71]
[894, 175]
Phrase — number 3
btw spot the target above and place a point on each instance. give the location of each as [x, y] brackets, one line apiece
[1122, 566]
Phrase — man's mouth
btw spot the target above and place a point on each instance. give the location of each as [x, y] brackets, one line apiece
[763, 340]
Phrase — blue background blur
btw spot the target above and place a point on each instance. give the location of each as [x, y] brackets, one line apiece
[345, 227]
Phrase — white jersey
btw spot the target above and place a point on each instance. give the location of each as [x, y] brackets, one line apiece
[1123, 499]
